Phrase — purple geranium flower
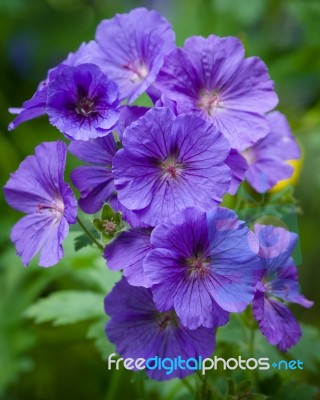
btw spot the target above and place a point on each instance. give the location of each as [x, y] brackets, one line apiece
[95, 182]
[134, 46]
[139, 330]
[203, 264]
[38, 189]
[36, 106]
[135, 245]
[238, 167]
[168, 163]
[267, 159]
[82, 102]
[211, 77]
[129, 114]
[279, 281]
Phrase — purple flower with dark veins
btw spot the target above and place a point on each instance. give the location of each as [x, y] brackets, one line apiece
[36, 106]
[279, 282]
[211, 78]
[133, 47]
[168, 163]
[204, 265]
[268, 158]
[83, 102]
[135, 244]
[139, 330]
[38, 189]
[95, 181]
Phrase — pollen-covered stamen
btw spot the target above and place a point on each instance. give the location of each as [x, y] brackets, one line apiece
[198, 266]
[171, 169]
[56, 207]
[85, 107]
[210, 101]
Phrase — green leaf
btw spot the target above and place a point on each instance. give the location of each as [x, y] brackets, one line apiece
[97, 332]
[294, 390]
[308, 349]
[258, 396]
[231, 387]
[66, 307]
[81, 241]
[244, 387]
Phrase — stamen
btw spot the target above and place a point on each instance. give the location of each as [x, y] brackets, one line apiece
[109, 226]
[171, 169]
[85, 107]
[56, 207]
[166, 319]
[198, 266]
[210, 101]
[139, 70]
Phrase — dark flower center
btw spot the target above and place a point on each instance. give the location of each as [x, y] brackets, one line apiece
[167, 319]
[171, 168]
[198, 266]
[85, 107]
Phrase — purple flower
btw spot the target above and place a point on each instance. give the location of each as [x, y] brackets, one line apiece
[211, 77]
[279, 281]
[82, 102]
[267, 159]
[135, 245]
[139, 330]
[38, 189]
[203, 264]
[129, 114]
[36, 106]
[134, 46]
[238, 167]
[168, 163]
[95, 182]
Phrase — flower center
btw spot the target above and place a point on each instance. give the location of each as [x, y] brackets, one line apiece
[210, 101]
[56, 207]
[85, 107]
[109, 226]
[139, 71]
[249, 155]
[171, 169]
[166, 319]
[198, 266]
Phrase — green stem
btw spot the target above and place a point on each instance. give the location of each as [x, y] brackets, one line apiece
[251, 341]
[89, 234]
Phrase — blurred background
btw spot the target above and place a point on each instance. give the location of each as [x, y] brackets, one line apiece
[44, 362]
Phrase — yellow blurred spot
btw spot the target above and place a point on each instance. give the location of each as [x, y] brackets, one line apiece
[297, 165]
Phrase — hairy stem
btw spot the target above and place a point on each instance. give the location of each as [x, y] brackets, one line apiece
[89, 234]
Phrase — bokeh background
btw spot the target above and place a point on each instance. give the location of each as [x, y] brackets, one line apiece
[42, 361]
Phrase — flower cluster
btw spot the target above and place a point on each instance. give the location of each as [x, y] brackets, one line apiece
[187, 261]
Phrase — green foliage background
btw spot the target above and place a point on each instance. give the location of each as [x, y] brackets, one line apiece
[51, 321]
